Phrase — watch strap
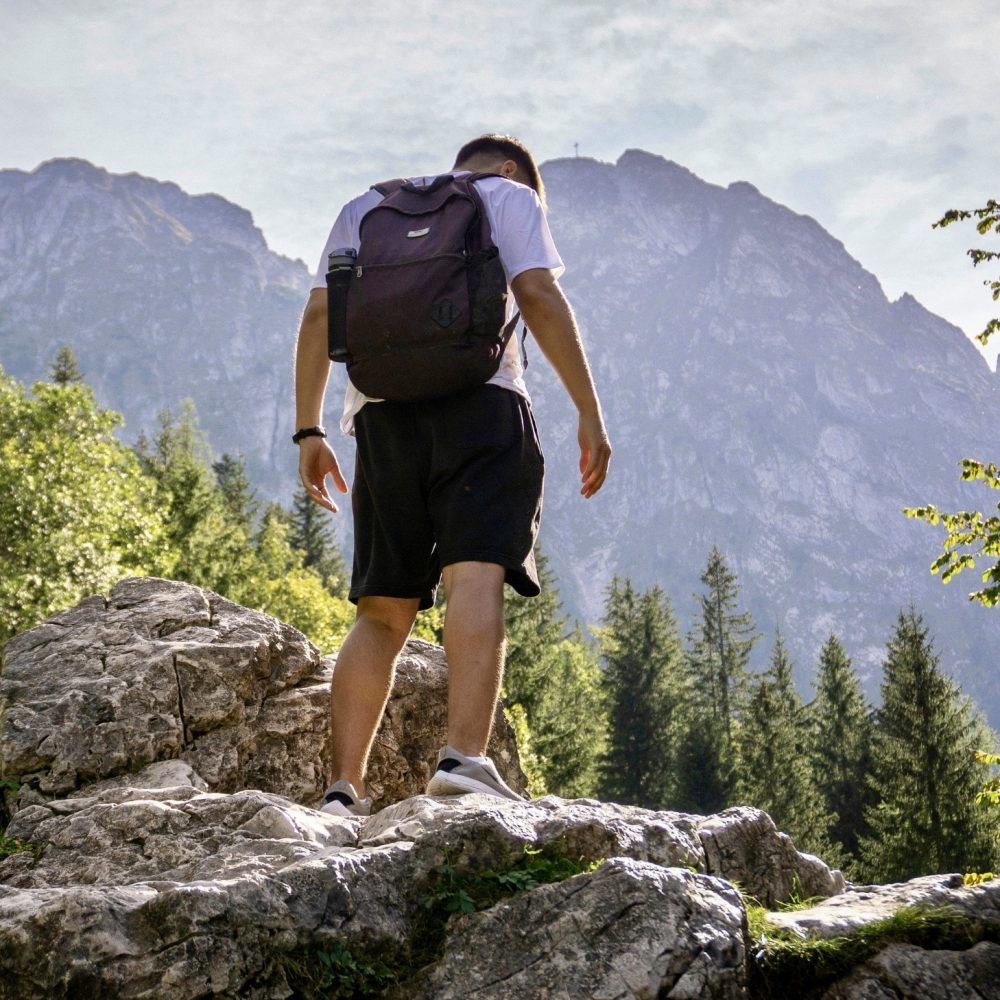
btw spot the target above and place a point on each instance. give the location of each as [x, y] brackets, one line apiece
[305, 432]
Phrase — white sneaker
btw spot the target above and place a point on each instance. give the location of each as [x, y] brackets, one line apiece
[456, 774]
[342, 799]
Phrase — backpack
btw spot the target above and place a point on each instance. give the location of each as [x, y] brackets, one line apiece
[422, 312]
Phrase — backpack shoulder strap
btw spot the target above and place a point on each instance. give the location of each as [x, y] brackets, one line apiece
[385, 188]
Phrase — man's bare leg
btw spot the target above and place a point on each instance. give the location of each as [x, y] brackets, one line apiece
[474, 645]
[362, 681]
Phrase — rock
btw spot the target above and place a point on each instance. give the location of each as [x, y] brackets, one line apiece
[864, 904]
[630, 929]
[904, 972]
[163, 670]
[166, 671]
[743, 844]
[169, 891]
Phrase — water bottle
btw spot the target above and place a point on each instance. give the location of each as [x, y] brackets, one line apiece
[338, 277]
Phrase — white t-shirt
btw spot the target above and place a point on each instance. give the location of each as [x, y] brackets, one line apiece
[520, 232]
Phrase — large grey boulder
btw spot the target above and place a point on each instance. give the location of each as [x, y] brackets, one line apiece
[860, 905]
[152, 887]
[905, 972]
[161, 670]
[630, 930]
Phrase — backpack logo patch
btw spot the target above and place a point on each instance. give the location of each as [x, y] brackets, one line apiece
[444, 312]
[417, 232]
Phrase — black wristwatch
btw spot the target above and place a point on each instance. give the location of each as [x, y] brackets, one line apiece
[306, 432]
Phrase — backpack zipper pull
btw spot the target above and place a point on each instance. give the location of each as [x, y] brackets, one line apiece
[357, 271]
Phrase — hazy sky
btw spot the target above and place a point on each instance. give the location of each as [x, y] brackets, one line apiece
[872, 117]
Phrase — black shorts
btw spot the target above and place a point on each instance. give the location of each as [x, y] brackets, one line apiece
[444, 481]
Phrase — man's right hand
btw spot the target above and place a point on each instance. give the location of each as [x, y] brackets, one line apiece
[595, 453]
[316, 462]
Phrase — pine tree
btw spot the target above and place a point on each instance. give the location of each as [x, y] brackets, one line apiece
[569, 730]
[65, 369]
[534, 626]
[240, 496]
[840, 750]
[644, 680]
[555, 680]
[718, 654]
[924, 771]
[773, 770]
[312, 532]
[213, 551]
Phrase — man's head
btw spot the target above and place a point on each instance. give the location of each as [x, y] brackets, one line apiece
[502, 154]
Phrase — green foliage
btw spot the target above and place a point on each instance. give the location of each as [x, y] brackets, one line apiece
[988, 219]
[989, 794]
[312, 533]
[645, 688]
[972, 535]
[9, 846]
[429, 624]
[924, 771]
[451, 890]
[534, 626]
[977, 878]
[773, 768]
[718, 654]
[211, 544]
[790, 965]
[721, 643]
[211, 508]
[556, 680]
[76, 512]
[967, 530]
[344, 975]
[839, 746]
[65, 368]
[238, 494]
[570, 728]
[530, 763]
[281, 586]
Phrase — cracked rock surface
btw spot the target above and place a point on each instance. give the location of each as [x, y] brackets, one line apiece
[169, 746]
[161, 670]
[150, 889]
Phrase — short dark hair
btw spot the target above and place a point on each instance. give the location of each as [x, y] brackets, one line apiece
[512, 149]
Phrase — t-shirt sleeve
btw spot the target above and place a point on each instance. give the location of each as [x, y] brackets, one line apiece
[521, 231]
[341, 235]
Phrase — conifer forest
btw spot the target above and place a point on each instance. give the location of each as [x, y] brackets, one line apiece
[631, 709]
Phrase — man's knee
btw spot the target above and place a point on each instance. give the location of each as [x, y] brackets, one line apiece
[479, 580]
[395, 614]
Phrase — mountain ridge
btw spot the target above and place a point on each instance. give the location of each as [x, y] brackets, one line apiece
[762, 392]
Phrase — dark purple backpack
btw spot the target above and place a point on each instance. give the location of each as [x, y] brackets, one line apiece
[426, 300]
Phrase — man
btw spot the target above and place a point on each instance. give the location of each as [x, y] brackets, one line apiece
[446, 488]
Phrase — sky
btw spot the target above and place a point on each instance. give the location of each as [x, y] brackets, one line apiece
[871, 116]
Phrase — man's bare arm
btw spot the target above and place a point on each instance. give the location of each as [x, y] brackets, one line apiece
[550, 318]
[312, 369]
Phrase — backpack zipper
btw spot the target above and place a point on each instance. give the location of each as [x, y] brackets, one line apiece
[360, 269]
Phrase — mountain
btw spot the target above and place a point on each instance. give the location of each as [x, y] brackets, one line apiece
[761, 392]
[161, 295]
[763, 395]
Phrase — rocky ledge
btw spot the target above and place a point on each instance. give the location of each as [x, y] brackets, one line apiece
[162, 750]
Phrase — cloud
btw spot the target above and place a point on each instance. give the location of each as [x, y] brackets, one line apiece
[862, 113]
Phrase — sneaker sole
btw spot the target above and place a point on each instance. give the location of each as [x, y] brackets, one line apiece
[339, 809]
[443, 783]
